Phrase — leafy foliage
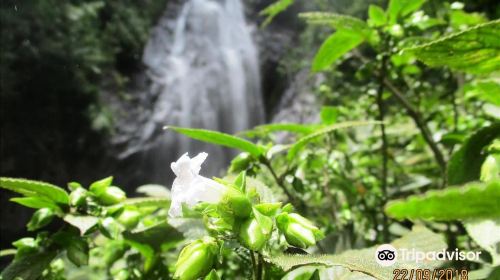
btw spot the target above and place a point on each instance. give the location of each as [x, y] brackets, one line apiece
[335, 47]
[219, 138]
[419, 238]
[475, 50]
[274, 9]
[32, 188]
[474, 200]
[465, 164]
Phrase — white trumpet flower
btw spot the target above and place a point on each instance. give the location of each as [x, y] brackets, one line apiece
[190, 187]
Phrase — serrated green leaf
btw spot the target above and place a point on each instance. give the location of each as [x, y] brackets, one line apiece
[334, 47]
[36, 202]
[337, 21]
[139, 202]
[221, 139]
[274, 9]
[475, 50]
[465, 164]
[325, 130]
[420, 238]
[29, 267]
[472, 201]
[83, 223]
[35, 188]
[279, 127]
[401, 8]
[155, 235]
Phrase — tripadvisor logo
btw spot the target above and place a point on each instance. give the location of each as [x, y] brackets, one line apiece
[387, 255]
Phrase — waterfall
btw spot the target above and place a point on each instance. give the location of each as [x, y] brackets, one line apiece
[203, 72]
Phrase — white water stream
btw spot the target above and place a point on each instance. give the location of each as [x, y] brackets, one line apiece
[204, 74]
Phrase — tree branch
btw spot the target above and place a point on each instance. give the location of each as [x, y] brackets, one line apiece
[421, 124]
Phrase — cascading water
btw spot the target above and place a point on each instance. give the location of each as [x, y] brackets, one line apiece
[204, 73]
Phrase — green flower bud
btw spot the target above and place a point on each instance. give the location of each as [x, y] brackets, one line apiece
[77, 197]
[240, 163]
[298, 231]
[196, 259]
[254, 233]
[112, 195]
[241, 205]
[41, 218]
[129, 218]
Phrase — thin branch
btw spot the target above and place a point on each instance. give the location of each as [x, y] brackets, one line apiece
[260, 267]
[421, 124]
[385, 156]
[254, 265]
[417, 118]
[279, 180]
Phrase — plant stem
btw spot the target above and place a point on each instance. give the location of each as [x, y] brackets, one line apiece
[254, 266]
[419, 121]
[260, 267]
[385, 156]
[278, 180]
[421, 124]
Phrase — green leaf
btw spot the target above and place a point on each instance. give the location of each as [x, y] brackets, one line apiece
[111, 228]
[35, 188]
[486, 90]
[475, 50]
[376, 16]
[220, 138]
[146, 251]
[147, 202]
[401, 8]
[83, 223]
[99, 187]
[40, 218]
[474, 200]
[328, 115]
[334, 47]
[155, 235]
[420, 238]
[319, 272]
[78, 251]
[29, 267]
[212, 275]
[36, 202]
[279, 127]
[460, 19]
[323, 131]
[337, 21]
[465, 164]
[274, 9]
[268, 208]
[7, 252]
